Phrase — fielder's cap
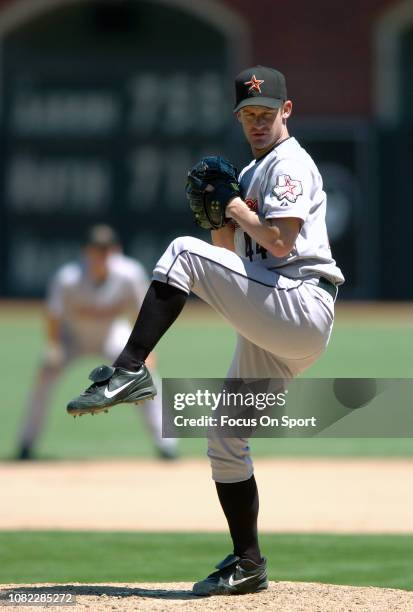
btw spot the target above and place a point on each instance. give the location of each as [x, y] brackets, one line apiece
[260, 86]
[102, 236]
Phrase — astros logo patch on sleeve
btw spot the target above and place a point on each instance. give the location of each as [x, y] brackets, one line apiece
[287, 188]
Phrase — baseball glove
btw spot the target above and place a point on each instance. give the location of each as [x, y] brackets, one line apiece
[211, 184]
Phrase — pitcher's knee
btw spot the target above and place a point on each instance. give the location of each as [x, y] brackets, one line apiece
[176, 266]
[230, 459]
[185, 244]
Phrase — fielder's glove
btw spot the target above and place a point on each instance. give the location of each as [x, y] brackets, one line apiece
[211, 184]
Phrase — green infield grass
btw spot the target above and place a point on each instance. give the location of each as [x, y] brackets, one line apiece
[36, 557]
[194, 347]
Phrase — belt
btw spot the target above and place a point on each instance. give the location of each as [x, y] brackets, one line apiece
[328, 286]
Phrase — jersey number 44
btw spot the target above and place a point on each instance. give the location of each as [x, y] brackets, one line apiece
[249, 250]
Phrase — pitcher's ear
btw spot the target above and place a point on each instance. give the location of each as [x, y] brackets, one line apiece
[286, 109]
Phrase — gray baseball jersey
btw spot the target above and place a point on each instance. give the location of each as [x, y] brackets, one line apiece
[282, 317]
[287, 183]
[87, 310]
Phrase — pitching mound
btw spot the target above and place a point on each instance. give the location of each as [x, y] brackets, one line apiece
[281, 596]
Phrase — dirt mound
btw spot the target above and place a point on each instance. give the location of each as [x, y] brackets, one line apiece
[281, 596]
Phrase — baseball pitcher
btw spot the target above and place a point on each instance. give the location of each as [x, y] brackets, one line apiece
[269, 272]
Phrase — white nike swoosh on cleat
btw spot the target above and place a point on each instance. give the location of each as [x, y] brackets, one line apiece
[233, 582]
[110, 394]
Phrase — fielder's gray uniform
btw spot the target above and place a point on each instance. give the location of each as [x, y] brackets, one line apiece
[94, 319]
[282, 318]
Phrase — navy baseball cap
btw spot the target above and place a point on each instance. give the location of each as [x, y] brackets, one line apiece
[102, 236]
[260, 86]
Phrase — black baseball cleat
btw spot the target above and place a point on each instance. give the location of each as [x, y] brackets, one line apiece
[25, 453]
[167, 454]
[113, 386]
[235, 576]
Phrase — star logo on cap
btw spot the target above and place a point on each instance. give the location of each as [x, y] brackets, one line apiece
[255, 84]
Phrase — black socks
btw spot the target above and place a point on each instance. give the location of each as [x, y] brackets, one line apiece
[239, 501]
[160, 308]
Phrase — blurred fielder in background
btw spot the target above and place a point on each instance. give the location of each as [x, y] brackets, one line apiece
[89, 308]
